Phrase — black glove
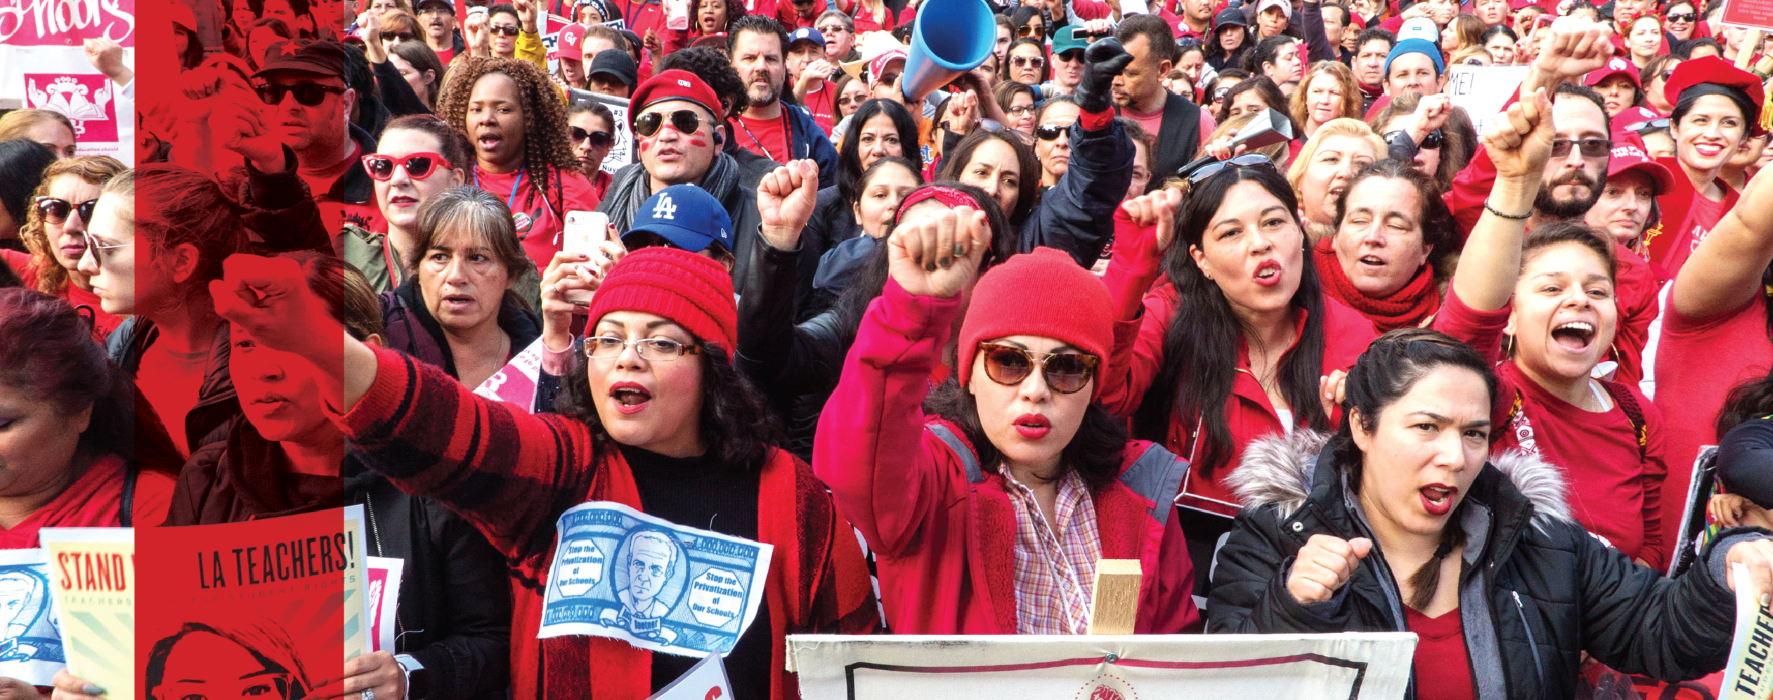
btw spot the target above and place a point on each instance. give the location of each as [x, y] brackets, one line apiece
[1102, 61]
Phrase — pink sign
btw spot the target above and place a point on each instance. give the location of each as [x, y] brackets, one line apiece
[84, 98]
[66, 22]
[1757, 14]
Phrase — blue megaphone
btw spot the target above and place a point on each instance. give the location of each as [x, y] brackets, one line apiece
[951, 37]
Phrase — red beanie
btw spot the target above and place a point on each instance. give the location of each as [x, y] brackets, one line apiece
[1044, 294]
[692, 291]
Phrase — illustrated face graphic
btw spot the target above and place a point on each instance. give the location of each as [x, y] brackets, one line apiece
[649, 565]
[15, 608]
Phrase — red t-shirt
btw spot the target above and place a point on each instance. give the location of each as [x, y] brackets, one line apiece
[445, 56]
[95, 500]
[1637, 287]
[1702, 215]
[765, 137]
[103, 323]
[1442, 665]
[822, 102]
[865, 21]
[1698, 362]
[538, 226]
[1151, 122]
[1613, 492]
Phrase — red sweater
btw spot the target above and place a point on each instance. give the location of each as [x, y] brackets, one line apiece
[544, 464]
[945, 547]
[1613, 492]
[1143, 319]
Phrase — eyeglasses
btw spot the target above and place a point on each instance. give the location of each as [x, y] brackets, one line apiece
[833, 29]
[1652, 125]
[1065, 373]
[1247, 160]
[55, 211]
[428, 9]
[1030, 30]
[99, 250]
[1021, 111]
[1220, 93]
[402, 36]
[1682, 17]
[418, 165]
[1431, 142]
[1070, 56]
[604, 347]
[505, 29]
[306, 94]
[1049, 132]
[1591, 148]
[599, 139]
[683, 120]
[1027, 61]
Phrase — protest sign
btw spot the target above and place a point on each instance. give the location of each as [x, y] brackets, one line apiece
[1749, 675]
[704, 681]
[515, 383]
[621, 152]
[93, 579]
[658, 585]
[30, 635]
[1753, 14]
[43, 66]
[274, 604]
[1350, 666]
[382, 596]
[1692, 535]
[1482, 91]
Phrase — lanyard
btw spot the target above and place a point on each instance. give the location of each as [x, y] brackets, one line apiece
[787, 135]
[511, 200]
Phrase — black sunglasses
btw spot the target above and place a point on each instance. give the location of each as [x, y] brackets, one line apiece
[1065, 373]
[683, 120]
[402, 36]
[1431, 142]
[505, 29]
[1591, 148]
[306, 94]
[55, 210]
[1211, 168]
[599, 139]
[1048, 133]
[1682, 17]
[1652, 125]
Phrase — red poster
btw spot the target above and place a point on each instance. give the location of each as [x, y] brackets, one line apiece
[1757, 14]
[66, 22]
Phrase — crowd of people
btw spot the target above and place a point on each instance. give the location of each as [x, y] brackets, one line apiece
[944, 351]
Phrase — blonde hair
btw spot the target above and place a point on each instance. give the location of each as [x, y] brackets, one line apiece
[15, 124]
[1351, 91]
[52, 278]
[1335, 127]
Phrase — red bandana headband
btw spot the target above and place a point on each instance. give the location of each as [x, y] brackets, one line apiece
[946, 195]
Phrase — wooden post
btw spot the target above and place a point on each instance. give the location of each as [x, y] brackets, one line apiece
[1116, 605]
[1750, 46]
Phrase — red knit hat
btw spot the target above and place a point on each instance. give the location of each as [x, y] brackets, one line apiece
[692, 291]
[1045, 294]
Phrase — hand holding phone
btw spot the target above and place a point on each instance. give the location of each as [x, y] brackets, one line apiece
[585, 232]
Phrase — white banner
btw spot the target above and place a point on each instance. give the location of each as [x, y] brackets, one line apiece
[43, 66]
[1482, 90]
[1353, 666]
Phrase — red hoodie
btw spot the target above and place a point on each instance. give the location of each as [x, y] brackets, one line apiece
[945, 547]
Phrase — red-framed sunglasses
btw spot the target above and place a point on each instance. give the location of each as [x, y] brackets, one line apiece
[418, 165]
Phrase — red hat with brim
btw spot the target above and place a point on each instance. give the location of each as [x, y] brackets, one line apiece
[1715, 70]
[570, 42]
[1629, 154]
[1615, 66]
[674, 85]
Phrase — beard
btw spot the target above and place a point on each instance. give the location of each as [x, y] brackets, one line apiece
[762, 95]
[1550, 206]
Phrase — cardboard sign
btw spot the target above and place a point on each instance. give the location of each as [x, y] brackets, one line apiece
[92, 573]
[1754, 14]
[704, 681]
[30, 633]
[382, 595]
[1483, 90]
[621, 152]
[655, 584]
[1749, 675]
[515, 383]
[1352, 666]
[43, 66]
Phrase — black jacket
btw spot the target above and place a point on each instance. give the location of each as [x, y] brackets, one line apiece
[412, 330]
[455, 599]
[1537, 590]
[1177, 139]
[796, 365]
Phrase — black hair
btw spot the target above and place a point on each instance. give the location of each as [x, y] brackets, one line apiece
[1028, 186]
[1571, 231]
[849, 157]
[1746, 402]
[22, 163]
[1373, 34]
[503, 8]
[360, 77]
[737, 423]
[1268, 51]
[193, 55]
[756, 24]
[1690, 97]
[1434, 218]
[299, 7]
[1344, 10]
[1094, 452]
[1046, 68]
[1502, 29]
[1200, 348]
[1384, 373]
[715, 70]
[878, 165]
[1264, 88]
[1685, 49]
[1158, 36]
[871, 279]
[177, 206]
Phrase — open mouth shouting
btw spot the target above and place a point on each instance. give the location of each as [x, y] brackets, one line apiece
[629, 398]
[1437, 499]
[1575, 336]
[1268, 273]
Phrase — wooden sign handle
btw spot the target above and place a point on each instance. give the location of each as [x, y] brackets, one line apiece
[1115, 609]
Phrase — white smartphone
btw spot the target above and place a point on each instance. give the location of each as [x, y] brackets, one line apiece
[585, 231]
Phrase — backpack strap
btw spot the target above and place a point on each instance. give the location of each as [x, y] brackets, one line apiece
[126, 509]
[1634, 413]
[967, 458]
[1157, 477]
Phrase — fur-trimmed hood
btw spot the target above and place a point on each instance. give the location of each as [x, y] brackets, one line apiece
[1278, 470]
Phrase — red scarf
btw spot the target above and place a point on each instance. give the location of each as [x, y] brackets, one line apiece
[1405, 308]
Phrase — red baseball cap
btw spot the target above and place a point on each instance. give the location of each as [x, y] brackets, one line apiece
[570, 43]
[1716, 71]
[1632, 116]
[674, 85]
[1629, 154]
[1615, 66]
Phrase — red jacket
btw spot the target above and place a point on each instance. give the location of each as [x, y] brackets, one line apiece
[540, 465]
[944, 542]
[1143, 319]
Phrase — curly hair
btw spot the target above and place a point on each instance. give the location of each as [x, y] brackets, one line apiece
[545, 140]
[52, 278]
